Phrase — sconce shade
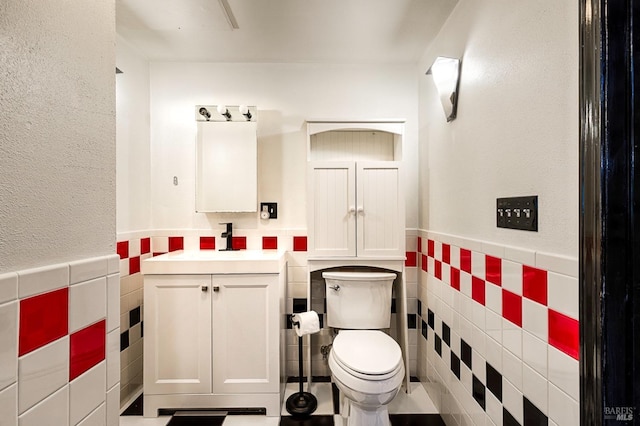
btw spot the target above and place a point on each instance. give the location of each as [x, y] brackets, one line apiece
[446, 75]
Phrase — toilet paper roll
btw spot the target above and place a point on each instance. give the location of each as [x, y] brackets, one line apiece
[307, 323]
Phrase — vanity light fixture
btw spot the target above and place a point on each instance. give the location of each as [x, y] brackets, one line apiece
[223, 111]
[205, 113]
[244, 110]
[446, 76]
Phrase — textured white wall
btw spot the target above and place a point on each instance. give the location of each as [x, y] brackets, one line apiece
[132, 140]
[517, 126]
[286, 95]
[57, 131]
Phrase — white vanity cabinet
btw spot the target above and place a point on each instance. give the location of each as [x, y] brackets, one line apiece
[213, 340]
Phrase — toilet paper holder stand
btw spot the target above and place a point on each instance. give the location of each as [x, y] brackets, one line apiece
[301, 404]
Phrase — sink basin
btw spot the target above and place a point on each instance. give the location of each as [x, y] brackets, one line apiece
[215, 262]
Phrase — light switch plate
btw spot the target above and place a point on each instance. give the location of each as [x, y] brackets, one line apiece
[517, 213]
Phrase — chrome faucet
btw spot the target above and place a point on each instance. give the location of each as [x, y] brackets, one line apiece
[229, 236]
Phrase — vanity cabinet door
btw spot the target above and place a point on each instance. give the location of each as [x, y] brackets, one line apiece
[245, 334]
[177, 335]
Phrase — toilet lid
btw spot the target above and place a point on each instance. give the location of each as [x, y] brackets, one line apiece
[369, 352]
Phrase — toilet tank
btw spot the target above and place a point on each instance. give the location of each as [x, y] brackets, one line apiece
[358, 300]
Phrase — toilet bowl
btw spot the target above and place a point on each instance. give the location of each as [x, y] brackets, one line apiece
[367, 368]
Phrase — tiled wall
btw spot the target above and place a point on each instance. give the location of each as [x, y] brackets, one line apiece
[499, 327]
[59, 329]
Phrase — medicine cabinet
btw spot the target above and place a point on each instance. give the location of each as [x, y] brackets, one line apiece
[226, 159]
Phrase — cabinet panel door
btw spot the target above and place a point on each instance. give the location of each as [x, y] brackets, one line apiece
[245, 334]
[177, 341]
[331, 201]
[380, 209]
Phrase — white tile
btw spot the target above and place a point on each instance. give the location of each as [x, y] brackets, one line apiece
[493, 297]
[113, 302]
[560, 264]
[563, 410]
[493, 326]
[42, 372]
[113, 357]
[8, 287]
[124, 267]
[97, 417]
[478, 342]
[8, 343]
[534, 353]
[564, 372]
[512, 277]
[417, 402]
[519, 255]
[493, 352]
[52, 411]
[87, 303]
[493, 408]
[512, 337]
[466, 377]
[512, 369]
[9, 405]
[40, 280]
[252, 421]
[87, 392]
[134, 247]
[494, 250]
[113, 264]
[512, 400]
[455, 257]
[535, 319]
[479, 365]
[87, 269]
[113, 406]
[534, 387]
[437, 254]
[563, 294]
[478, 265]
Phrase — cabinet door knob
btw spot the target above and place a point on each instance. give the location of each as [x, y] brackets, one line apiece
[360, 209]
[216, 288]
[204, 288]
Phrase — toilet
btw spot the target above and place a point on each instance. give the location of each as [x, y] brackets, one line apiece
[366, 363]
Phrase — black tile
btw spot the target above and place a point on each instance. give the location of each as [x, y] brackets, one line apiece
[446, 334]
[532, 415]
[431, 319]
[465, 353]
[141, 328]
[494, 381]
[508, 419]
[411, 319]
[134, 316]
[414, 379]
[335, 396]
[299, 305]
[438, 345]
[135, 409]
[416, 420]
[419, 303]
[196, 421]
[289, 321]
[315, 379]
[455, 365]
[393, 306]
[307, 421]
[321, 320]
[124, 340]
[479, 392]
[424, 330]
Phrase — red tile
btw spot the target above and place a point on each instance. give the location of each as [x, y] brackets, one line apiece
[419, 244]
[145, 245]
[122, 248]
[411, 260]
[512, 307]
[478, 290]
[239, 243]
[134, 265]
[446, 253]
[564, 334]
[176, 243]
[158, 253]
[438, 269]
[431, 248]
[269, 243]
[493, 269]
[86, 348]
[425, 262]
[43, 319]
[299, 243]
[455, 278]
[465, 260]
[207, 243]
[534, 284]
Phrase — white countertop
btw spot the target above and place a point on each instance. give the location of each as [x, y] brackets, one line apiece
[215, 262]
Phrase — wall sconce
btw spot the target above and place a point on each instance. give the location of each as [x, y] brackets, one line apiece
[244, 110]
[223, 111]
[226, 113]
[205, 113]
[446, 76]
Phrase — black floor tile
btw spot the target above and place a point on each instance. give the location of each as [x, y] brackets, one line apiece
[416, 420]
[307, 421]
[196, 421]
[135, 409]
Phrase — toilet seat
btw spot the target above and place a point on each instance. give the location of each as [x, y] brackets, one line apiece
[367, 354]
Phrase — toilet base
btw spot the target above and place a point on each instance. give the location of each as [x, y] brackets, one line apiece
[368, 417]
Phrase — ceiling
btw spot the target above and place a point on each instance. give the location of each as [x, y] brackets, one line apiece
[325, 31]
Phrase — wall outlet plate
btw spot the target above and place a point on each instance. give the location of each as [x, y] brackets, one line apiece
[517, 213]
[272, 208]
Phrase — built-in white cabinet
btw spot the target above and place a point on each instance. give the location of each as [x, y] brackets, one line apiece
[212, 341]
[355, 209]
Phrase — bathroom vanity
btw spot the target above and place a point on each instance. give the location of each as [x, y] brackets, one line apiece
[212, 330]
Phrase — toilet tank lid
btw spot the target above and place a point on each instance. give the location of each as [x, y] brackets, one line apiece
[359, 276]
